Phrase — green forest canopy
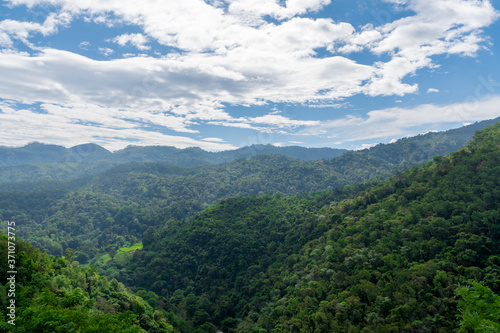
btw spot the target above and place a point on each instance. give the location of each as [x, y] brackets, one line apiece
[388, 259]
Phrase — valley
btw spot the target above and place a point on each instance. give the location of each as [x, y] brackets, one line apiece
[269, 243]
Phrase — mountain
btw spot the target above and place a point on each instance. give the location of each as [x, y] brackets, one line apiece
[90, 214]
[305, 154]
[31, 153]
[36, 153]
[43, 162]
[387, 258]
[87, 153]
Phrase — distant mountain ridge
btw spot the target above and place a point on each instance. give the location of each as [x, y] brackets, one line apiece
[36, 152]
[37, 162]
[40, 153]
[45, 162]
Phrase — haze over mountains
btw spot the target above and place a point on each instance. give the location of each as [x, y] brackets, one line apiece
[45, 153]
[43, 162]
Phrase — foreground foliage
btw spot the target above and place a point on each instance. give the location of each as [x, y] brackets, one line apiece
[55, 294]
[479, 309]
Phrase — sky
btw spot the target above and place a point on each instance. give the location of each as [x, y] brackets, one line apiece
[223, 74]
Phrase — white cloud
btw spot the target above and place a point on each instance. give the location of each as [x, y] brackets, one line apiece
[12, 29]
[65, 126]
[5, 40]
[261, 8]
[397, 122]
[432, 90]
[106, 51]
[233, 56]
[270, 123]
[438, 27]
[213, 140]
[281, 122]
[85, 45]
[137, 40]
[275, 62]
[366, 146]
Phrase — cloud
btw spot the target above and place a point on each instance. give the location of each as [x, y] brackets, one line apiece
[437, 27]
[137, 40]
[66, 126]
[180, 85]
[12, 29]
[366, 146]
[106, 51]
[213, 139]
[261, 8]
[251, 61]
[432, 90]
[388, 123]
[85, 45]
[281, 122]
[232, 53]
[270, 123]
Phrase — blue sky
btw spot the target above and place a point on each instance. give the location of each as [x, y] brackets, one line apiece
[221, 74]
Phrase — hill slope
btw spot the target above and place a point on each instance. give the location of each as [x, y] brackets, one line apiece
[39, 162]
[388, 259]
[57, 295]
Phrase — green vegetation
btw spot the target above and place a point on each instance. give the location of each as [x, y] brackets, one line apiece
[116, 207]
[386, 259]
[479, 309]
[121, 256]
[58, 295]
[42, 162]
[133, 247]
[294, 246]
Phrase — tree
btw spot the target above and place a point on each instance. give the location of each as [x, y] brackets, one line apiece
[479, 309]
[69, 255]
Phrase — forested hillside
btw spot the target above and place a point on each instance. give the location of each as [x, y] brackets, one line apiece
[57, 295]
[387, 258]
[42, 162]
[99, 214]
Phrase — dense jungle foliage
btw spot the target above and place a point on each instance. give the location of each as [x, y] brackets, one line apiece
[399, 256]
[56, 294]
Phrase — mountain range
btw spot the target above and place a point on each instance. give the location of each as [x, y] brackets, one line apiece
[400, 237]
[45, 162]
